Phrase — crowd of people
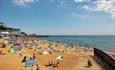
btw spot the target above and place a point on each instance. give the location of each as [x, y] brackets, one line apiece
[18, 43]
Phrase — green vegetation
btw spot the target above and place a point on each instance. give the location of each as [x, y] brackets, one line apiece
[5, 28]
[2, 26]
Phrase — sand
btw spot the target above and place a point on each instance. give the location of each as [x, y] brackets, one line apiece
[73, 60]
[70, 62]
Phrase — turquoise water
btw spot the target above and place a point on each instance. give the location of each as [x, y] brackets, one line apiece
[105, 43]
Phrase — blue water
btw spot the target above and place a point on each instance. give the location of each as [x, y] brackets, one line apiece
[105, 43]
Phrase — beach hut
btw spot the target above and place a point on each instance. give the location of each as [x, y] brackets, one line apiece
[5, 35]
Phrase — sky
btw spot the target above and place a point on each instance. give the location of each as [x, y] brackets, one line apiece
[60, 17]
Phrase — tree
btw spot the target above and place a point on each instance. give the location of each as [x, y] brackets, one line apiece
[2, 26]
[23, 33]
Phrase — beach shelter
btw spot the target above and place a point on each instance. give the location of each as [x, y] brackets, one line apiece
[5, 35]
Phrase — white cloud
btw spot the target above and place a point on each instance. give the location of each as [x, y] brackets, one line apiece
[82, 0]
[78, 0]
[74, 14]
[24, 3]
[107, 6]
[86, 7]
[89, 8]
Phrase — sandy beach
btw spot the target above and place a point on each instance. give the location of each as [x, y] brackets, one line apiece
[45, 51]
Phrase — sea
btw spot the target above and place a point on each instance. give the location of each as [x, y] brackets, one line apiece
[105, 43]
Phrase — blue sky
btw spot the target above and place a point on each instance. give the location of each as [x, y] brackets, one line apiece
[60, 17]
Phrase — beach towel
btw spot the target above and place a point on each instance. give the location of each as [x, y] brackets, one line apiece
[30, 63]
[12, 50]
[45, 52]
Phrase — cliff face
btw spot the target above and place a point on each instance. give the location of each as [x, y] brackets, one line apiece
[106, 61]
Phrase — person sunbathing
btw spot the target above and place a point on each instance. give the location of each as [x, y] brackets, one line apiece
[53, 64]
[56, 64]
[2, 53]
[50, 63]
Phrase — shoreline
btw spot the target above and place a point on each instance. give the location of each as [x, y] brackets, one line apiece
[111, 54]
[74, 45]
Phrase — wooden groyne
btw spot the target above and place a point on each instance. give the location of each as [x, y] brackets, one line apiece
[107, 62]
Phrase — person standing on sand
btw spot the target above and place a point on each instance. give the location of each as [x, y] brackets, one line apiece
[37, 67]
[34, 56]
[89, 63]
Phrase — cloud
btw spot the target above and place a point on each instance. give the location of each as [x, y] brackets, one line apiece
[86, 7]
[58, 1]
[82, 0]
[107, 6]
[24, 3]
[89, 8]
[74, 14]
